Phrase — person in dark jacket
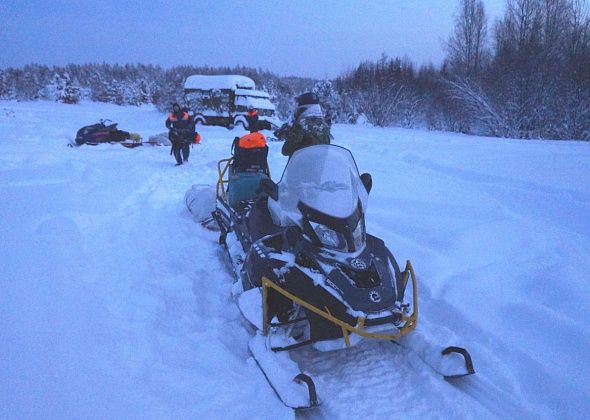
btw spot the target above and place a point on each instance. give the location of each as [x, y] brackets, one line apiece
[195, 135]
[181, 133]
[252, 119]
[308, 127]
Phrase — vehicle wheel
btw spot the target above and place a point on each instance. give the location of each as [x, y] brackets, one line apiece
[200, 120]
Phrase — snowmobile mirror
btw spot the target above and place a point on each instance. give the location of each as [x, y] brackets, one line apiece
[270, 188]
[367, 181]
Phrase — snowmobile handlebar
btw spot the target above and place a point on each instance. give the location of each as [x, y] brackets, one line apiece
[281, 132]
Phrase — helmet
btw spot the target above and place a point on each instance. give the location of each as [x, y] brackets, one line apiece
[307, 98]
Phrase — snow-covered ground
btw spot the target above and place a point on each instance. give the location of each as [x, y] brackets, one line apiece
[115, 304]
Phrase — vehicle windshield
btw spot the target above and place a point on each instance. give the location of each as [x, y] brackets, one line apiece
[323, 177]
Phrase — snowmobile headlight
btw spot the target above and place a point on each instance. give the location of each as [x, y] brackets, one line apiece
[358, 235]
[328, 237]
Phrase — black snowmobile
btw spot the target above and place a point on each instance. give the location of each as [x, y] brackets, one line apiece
[102, 133]
[307, 271]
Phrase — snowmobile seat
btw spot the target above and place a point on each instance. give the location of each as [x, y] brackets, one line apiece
[260, 222]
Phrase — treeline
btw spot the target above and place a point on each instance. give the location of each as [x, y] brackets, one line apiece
[132, 84]
[530, 78]
[527, 75]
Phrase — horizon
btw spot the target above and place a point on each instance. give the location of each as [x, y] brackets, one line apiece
[301, 40]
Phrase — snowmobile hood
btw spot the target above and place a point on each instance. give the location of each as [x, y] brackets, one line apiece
[324, 178]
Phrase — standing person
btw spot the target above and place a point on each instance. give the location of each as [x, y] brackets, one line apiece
[252, 119]
[309, 126]
[181, 133]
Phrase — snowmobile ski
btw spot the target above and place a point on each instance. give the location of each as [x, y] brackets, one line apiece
[466, 356]
[449, 362]
[294, 388]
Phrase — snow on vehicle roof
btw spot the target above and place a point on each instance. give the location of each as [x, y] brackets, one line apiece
[255, 102]
[252, 92]
[227, 81]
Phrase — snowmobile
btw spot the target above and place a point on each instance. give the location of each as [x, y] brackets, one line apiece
[102, 133]
[307, 272]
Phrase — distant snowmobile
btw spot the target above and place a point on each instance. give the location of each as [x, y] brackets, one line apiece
[102, 133]
[308, 273]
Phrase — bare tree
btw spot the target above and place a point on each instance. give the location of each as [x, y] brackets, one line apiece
[578, 42]
[520, 31]
[467, 46]
[479, 106]
[387, 105]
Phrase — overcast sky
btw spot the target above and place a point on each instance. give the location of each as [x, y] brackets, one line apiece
[300, 37]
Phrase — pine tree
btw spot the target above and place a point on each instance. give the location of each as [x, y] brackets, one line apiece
[71, 91]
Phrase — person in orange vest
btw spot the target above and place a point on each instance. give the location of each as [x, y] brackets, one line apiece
[181, 133]
[252, 119]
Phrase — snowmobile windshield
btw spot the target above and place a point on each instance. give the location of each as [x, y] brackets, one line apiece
[324, 178]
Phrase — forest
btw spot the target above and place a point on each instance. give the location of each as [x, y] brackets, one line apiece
[526, 75]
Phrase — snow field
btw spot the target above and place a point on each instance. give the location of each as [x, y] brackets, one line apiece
[112, 307]
[115, 304]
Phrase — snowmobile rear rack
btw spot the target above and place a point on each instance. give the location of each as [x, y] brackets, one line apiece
[347, 329]
[220, 188]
